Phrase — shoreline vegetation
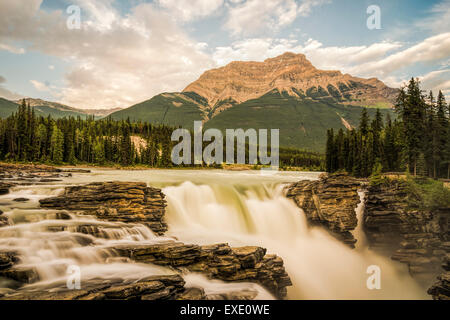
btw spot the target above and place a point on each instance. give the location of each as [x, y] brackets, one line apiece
[27, 138]
[229, 167]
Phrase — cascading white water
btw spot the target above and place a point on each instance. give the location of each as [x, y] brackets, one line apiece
[204, 207]
[49, 241]
[320, 266]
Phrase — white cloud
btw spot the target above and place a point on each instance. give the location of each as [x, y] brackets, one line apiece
[258, 17]
[192, 9]
[430, 50]
[340, 58]
[439, 19]
[437, 80]
[40, 86]
[117, 62]
[11, 49]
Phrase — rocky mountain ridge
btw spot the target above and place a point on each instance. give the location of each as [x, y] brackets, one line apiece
[290, 73]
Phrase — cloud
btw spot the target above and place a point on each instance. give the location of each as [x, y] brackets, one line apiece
[439, 19]
[116, 60]
[430, 50]
[11, 49]
[339, 58]
[40, 86]
[437, 80]
[7, 94]
[192, 9]
[254, 17]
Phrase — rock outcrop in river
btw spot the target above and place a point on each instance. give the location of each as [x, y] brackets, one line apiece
[129, 202]
[329, 202]
[417, 238]
[218, 261]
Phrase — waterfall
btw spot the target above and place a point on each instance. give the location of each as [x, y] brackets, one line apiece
[204, 207]
[49, 245]
[320, 266]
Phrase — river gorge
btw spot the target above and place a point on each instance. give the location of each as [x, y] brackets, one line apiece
[211, 217]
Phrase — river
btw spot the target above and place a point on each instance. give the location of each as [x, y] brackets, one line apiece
[204, 207]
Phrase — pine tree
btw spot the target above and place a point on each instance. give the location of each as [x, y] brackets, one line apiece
[57, 145]
[441, 129]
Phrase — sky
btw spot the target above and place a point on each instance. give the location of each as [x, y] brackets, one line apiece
[124, 52]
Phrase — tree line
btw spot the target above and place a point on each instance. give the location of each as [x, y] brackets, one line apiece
[416, 141]
[25, 137]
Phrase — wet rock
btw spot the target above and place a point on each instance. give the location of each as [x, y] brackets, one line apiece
[12, 168]
[234, 295]
[441, 289]
[47, 180]
[5, 186]
[77, 170]
[219, 261]
[115, 201]
[192, 294]
[154, 288]
[329, 202]
[7, 259]
[416, 238]
[21, 200]
[21, 274]
[4, 221]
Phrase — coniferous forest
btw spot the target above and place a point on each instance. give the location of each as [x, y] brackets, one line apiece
[417, 141]
[26, 137]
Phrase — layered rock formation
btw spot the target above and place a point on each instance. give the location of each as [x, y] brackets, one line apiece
[218, 261]
[240, 81]
[12, 174]
[441, 289]
[416, 238]
[151, 288]
[329, 202]
[115, 201]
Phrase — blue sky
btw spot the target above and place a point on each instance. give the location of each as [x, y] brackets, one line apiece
[127, 51]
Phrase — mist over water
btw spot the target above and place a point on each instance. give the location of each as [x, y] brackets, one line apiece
[204, 207]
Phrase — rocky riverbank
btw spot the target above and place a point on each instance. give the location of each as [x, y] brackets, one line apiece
[329, 202]
[418, 238]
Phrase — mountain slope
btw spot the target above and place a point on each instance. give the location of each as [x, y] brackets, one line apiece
[7, 108]
[45, 108]
[172, 109]
[302, 123]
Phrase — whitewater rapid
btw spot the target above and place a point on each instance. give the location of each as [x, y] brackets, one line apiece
[204, 207]
[320, 266]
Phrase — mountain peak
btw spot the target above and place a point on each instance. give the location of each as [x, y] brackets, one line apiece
[289, 73]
